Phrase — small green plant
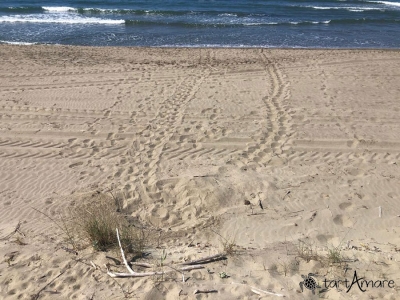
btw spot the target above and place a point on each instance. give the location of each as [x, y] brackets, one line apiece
[334, 255]
[162, 260]
[163, 257]
[159, 267]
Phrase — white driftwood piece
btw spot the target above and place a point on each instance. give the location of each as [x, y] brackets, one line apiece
[135, 274]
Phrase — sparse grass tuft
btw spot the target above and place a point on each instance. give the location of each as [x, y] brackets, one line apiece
[228, 244]
[95, 221]
[334, 255]
[307, 251]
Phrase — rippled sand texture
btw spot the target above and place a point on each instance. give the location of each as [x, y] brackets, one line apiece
[187, 135]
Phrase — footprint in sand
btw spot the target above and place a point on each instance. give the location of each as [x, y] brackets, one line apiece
[343, 221]
[345, 206]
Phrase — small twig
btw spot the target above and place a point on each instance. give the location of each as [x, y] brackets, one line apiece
[288, 192]
[140, 264]
[295, 212]
[204, 291]
[205, 259]
[69, 250]
[260, 204]
[17, 229]
[36, 296]
[313, 216]
[54, 221]
[380, 211]
[124, 275]
[116, 261]
[94, 265]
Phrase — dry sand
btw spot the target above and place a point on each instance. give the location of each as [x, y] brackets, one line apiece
[186, 136]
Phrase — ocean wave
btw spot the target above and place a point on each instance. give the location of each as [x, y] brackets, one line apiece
[58, 9]
[17, 43]
[227, 15]
[349, 8]
[89, 10]
[259, 24]
[386, 3]
[219, 24]
[120, 11]
[365, 20]
[64, 19]
[22, 9]
[160, 12]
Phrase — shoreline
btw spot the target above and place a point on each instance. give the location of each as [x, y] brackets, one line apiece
[201, 47]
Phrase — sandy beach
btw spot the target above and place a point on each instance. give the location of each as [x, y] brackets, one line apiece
[289, 158]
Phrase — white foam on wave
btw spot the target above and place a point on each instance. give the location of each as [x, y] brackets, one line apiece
[227, 15]
[64, 19]
[322, 7]
[58, 9]
[16, 43]
[386, 3]
[285, 23]
[349, 8]
[260, 23]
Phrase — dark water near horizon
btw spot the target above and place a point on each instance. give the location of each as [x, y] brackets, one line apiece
[203, 23]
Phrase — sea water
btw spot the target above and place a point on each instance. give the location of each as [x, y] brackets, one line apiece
[203, 23]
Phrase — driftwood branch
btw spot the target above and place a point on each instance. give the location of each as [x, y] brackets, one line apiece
[205, 260]
[123, 255]
[136, 274]
[141, 264]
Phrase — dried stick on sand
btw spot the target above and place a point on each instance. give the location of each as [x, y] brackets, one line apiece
[204, 291]
[17, 229]
[135, 274]
[205, 259]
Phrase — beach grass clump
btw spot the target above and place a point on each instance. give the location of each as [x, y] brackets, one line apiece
[94, 222]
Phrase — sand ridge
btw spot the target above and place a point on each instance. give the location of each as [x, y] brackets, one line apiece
[186, 136]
